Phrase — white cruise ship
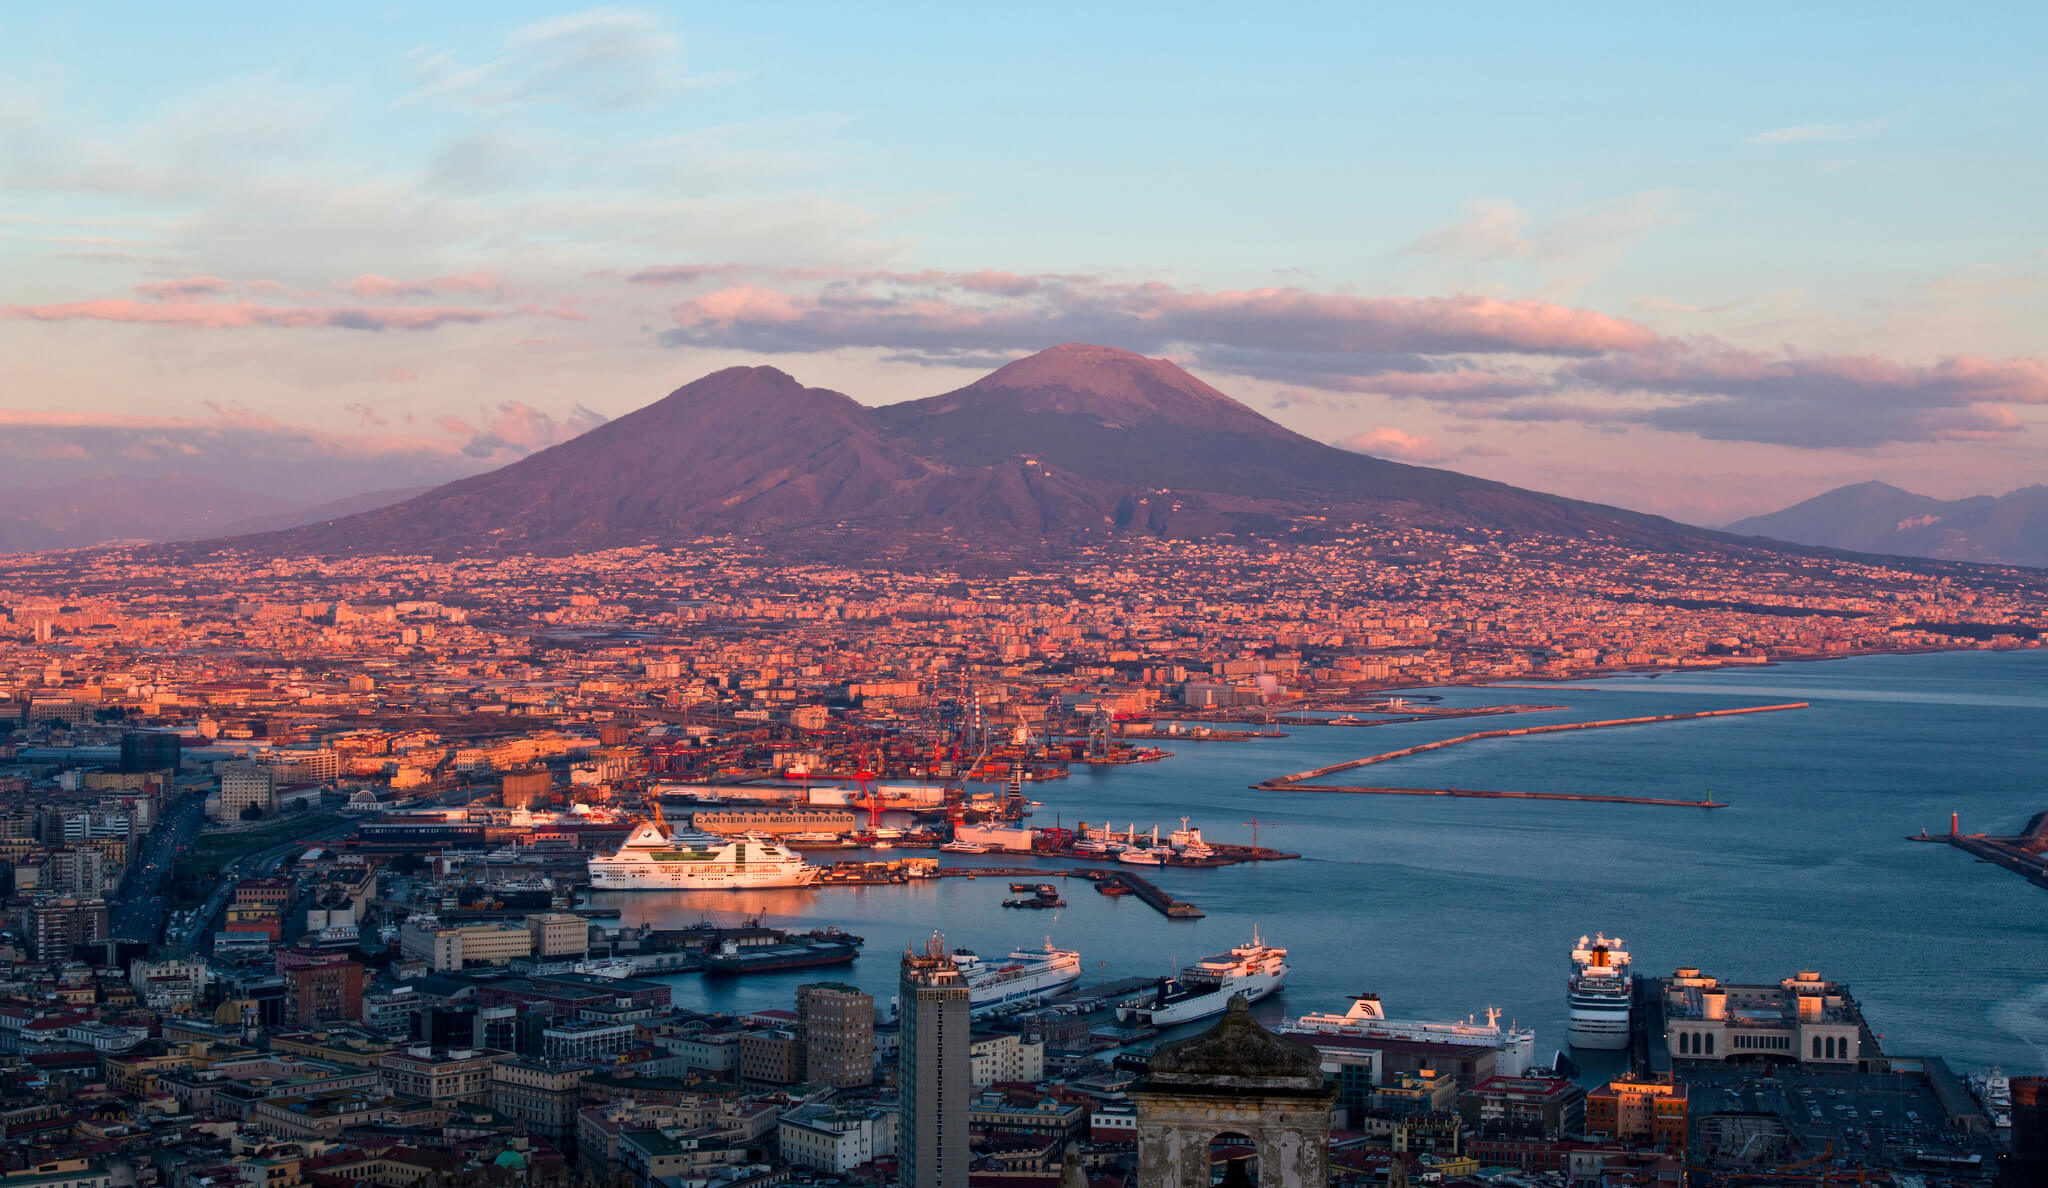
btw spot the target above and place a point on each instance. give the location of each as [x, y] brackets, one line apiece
[1600, 994]
[653, 859]
[1205, 988]
[1025, 976]
[1514, 1047]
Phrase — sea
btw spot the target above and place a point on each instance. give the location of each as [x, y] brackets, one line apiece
[1445, 907]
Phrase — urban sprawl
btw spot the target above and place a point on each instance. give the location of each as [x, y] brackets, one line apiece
[298, 860]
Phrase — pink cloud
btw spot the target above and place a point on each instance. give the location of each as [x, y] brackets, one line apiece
[383, 288]
[515, 429]
[1389, 442]
[1273, 333]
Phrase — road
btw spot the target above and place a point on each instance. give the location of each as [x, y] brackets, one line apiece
[139, 909]
[252, 865]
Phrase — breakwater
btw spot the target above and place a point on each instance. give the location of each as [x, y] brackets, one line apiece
[1300, 781]
[2022, 854]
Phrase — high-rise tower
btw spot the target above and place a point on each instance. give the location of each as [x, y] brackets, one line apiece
[935, 1060]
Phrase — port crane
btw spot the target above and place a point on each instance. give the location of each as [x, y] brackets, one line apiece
[864, 787]
[1255, 823]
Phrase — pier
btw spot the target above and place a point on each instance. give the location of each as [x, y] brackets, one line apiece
[1142, 888]
[2025, 854]
[1299, 781]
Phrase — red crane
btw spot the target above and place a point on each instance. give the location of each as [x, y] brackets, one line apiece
[864, 786]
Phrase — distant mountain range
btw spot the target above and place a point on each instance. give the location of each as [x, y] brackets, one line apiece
[1077, 442]
[2010, 529]
[156, 507]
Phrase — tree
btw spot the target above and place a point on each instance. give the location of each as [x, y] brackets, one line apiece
[253, 813]
[408, 864]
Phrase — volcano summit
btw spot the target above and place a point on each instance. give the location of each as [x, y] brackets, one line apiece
[1073, 443]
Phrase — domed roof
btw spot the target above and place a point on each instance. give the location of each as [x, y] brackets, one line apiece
[1237, 1056]
[510, 1159]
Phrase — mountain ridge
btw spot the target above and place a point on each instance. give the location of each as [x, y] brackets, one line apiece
[1877, 517]
[1074, 442]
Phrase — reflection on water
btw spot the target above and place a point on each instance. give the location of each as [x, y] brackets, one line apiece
[1444, 907]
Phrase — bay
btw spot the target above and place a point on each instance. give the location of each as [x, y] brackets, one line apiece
[1445, 907]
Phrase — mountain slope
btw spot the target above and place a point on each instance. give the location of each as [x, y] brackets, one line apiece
[1076, 440]
[740, 450]
[1877, 517]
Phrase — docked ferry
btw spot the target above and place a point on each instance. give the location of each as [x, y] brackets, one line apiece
[1514, 1047]
[654, 859]
[1206, 987]
[1025, 976]
[1601, 992]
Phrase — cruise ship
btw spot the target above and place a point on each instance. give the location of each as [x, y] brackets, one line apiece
[1600, 993]
[1206, 987]
[653, 859]
[1025, 976]
[1514, 1047]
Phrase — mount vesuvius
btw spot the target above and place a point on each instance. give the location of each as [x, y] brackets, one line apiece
[1075, 442]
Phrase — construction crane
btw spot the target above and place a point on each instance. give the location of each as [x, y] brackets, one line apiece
[1255, 823]
[864, 787]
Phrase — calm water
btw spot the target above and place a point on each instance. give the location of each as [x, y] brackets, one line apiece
[1444, 907]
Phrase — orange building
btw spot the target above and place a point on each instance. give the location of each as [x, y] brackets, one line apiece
[1649, 1111]
[271, 892]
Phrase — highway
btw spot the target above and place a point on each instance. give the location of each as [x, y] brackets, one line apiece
[139, 909]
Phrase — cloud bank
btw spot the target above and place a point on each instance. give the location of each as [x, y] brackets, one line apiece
[1476, 357]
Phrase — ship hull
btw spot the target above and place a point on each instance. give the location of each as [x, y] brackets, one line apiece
[1031, 988]
[1597, 1030]
[1214, 1002]
[716, 966]
[647, 876]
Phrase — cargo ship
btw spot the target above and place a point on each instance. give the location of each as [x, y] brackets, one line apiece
[1601, 993]
[1025, 976]
[1514, 1047]
[793, 952]
[653, 859]
[1205, 988]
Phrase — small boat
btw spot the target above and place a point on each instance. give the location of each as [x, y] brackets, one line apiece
[1112, 889]
[1142, 856]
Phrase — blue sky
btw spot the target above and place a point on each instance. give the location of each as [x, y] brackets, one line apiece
[1415, 231]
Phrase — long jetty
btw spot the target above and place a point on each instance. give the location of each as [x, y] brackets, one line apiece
[2023, 855]
[1300, 781]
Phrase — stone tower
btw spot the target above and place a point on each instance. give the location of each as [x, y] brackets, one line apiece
[1237, 1078]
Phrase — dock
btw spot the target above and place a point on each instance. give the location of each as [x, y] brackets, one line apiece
[1167, 905]
[1143, 888]
[1300, 781]
[2025, 854]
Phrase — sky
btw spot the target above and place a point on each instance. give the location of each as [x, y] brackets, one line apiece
[1704, 263]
